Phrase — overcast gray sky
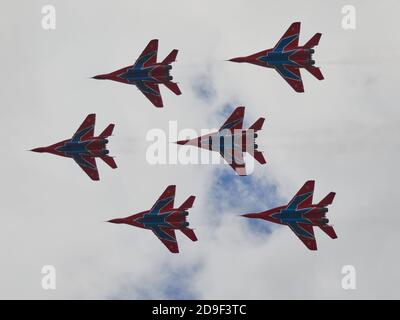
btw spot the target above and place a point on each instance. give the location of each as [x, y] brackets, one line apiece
[343, 132]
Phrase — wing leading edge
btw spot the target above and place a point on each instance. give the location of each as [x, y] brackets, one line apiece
[167, 237]
[88, 164]
[305, 233]
[152, 92]
[165, 202]
[292, 76]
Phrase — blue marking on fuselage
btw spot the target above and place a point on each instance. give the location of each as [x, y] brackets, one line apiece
[155, 223]
[289, 216]
[278, 58]
[133, 75]
[151, 219]
[74, 148]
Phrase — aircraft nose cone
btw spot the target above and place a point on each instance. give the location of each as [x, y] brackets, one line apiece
[38, 150]
[239, 59]
[115, 221]
[100, 77]
[182, 142]
[250, 215]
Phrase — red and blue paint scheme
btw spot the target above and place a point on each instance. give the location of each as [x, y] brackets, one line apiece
[301, 215]
[146, 74]
[163, 219]
[231, 141]
[83, 147]
[287, 57]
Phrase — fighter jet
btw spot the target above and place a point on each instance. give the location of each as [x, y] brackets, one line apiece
[287, 57]
[83, 147]
[163, 219]
[146, 74]
[231, 141]
[301, 215]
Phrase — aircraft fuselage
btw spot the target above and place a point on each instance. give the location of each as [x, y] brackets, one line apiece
[155, 73]
[299, 58]
[173, 219]
[313, 215]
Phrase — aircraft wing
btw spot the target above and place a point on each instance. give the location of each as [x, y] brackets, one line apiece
[152, 92]
[305, 233]
[235, 160]
[292, 76]
[167, 237]
[235, 120]
[88, 164]
[149, 55]
[303, 197]
[165, 202]
[86, 129]
[290, 39]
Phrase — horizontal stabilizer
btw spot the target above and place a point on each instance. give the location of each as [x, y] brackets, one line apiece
[329, 231]
[171, 57]
[327, 200]
[258, 124]
[110, 161]
[188, 203]
[107, 131]
[189, 233]
[313, 41]
[259, 157]
[316, 72]
[173, 87]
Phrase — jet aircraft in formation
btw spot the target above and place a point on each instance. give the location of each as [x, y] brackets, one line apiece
[231, 141]
[163, 219]
[287, 57]
[146, 74]
[84, 147]
[301, 215]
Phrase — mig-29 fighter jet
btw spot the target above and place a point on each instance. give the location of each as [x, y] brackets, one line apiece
[287, 57]
[163, 219]
[301, 215]
[84, 147]
[231, 141]
[146, 74]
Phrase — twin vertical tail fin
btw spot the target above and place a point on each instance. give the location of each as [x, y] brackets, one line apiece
[323, 203]
[329, 231]
[256, 127]
[171, 57]
[110, 161]
[315, 71]
[107, 131]
[105, 134]
[188, 203]
[327, 200]
[313, 41]
[187, 231]
[168, 60]
[258, 124]
[259, 157]
[173, 87]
